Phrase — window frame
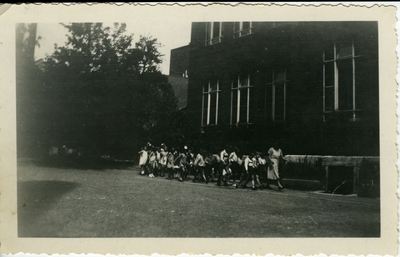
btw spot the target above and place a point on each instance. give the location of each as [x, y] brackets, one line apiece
[273, 85]
[208, 93]
[238, 89]
[336, 96]
[242, 32]
[210, 39]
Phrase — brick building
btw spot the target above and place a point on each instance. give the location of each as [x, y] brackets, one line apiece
[311, 85]
[178, 74]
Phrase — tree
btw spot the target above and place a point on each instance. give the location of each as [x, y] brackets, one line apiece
[103, 91]
[152, 57]
[27, 85]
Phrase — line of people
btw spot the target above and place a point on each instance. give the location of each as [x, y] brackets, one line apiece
[226, 167]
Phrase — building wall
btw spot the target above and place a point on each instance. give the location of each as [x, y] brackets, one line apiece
[298, 49]
[178, 74]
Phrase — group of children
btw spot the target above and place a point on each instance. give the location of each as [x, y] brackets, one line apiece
[227, 167]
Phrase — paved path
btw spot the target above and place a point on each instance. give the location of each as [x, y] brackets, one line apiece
[71, 202]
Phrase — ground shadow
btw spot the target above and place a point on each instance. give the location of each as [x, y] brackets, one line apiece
[35, 198]
[82, 164]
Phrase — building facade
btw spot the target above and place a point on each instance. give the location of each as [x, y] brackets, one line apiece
[178, 74]
[312, 86]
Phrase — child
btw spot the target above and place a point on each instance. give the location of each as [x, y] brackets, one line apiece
[234, 165]
[163, 161]
[157, 168]
[254, 172]
[190, 162]
[152, 162]
[216, 165]
[262, 162]
[208, 166]
[200, 165]
[224, 170]
[170, 164]
[143, 160]
[177, 160]
[244, 173]
[183, 163]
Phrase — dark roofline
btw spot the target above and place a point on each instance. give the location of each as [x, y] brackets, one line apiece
[181, 47]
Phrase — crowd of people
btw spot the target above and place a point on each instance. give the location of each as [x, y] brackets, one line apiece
[228, 167]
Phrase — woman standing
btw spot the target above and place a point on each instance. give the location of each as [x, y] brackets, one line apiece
[275, 156]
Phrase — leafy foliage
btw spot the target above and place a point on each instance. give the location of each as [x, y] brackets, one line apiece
[103, 92]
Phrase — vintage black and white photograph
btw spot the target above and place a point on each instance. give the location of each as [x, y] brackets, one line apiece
[210, 128]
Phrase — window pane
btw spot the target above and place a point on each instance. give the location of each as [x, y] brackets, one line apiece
[251, 79]
[329, 52]
[234, 83]
[244, 80]
[243, 106]
[279, 77]
[269, 77]
[234, 106]
[357, 48]
[246, 28]
[252, 106]
[279, 102]
[344, 51]
[204, 111]
[237, 26]
[212, 108]
[208, 31]
[213, 85]
[216, 29]
[345, 70]
[268, 102]
[329, 74]
[366, 78]
[329, 99]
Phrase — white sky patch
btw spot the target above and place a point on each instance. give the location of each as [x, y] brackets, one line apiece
[170, 34]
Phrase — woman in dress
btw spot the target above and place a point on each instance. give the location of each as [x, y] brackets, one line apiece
[275, 156]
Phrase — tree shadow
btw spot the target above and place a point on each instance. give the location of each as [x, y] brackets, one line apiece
[35, 198]
[83, 164]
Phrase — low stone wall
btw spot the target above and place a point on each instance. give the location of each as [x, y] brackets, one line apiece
[315, 160]
[336, 174]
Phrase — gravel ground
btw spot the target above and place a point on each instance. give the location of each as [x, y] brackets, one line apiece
[117, 202]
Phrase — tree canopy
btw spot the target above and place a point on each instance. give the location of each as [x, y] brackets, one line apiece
[105, 92]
